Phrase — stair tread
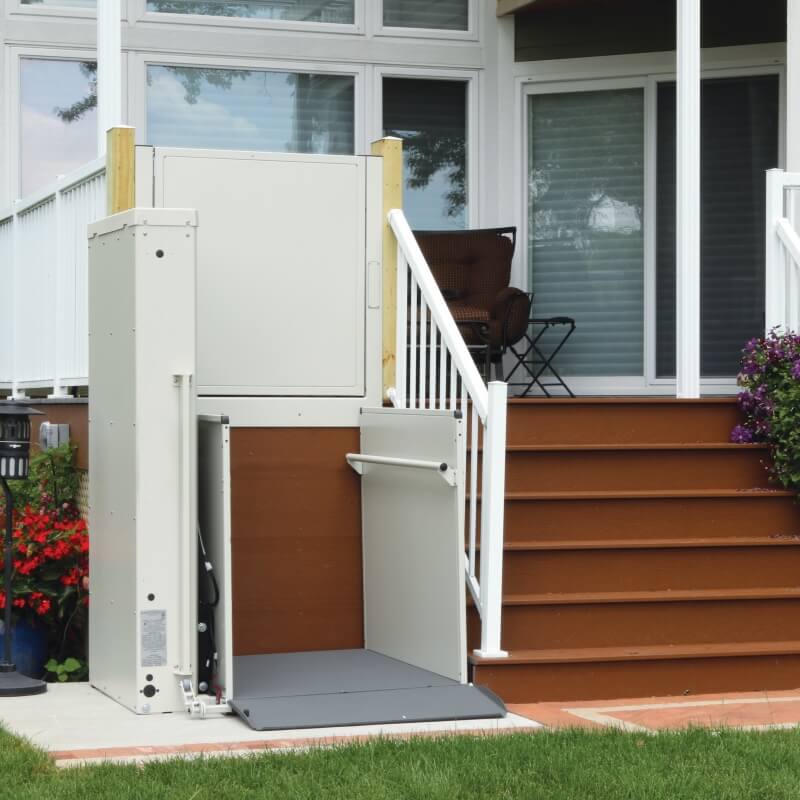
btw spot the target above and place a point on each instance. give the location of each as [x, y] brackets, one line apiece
[643, 653]
[657, 596]
[634, 494]
[689, 446]
[653, 544]
[726, 400]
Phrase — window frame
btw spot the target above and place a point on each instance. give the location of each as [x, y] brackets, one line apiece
[17, 8]
[588, 75]
[471, 34]
[289, 27]
[472, 80]
[138, 109]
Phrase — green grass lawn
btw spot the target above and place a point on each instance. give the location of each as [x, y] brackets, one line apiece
[567, 764]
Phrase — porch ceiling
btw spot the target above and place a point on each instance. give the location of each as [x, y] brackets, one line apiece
[506, 7]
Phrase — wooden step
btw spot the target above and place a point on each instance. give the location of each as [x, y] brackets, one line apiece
[619, 420]
[630, 569]
[592, 517]
[687, 467]
[612, 619]
[640, 671]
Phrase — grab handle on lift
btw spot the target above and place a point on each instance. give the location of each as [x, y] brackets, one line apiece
[441, 468]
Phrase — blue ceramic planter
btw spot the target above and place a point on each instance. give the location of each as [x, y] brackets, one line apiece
[28, 648]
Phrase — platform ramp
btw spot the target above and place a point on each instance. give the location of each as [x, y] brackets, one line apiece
[333, 688]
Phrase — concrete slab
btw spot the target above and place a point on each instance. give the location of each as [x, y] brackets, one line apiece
[77, 724]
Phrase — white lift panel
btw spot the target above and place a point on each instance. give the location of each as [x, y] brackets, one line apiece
[414, 562]
[282, 271]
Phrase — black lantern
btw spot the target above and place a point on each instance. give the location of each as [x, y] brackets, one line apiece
[15, 444]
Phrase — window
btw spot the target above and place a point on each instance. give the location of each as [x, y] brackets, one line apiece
[585, 237]
[740, 118]
[332, 11]
[60, 3]
[58, 127]
[448, 15]
[431, 118]
[247, 109]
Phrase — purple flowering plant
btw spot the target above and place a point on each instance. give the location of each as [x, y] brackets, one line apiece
[770, 402]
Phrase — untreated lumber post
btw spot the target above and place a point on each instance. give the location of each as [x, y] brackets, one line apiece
[391, 150]
[120, 170]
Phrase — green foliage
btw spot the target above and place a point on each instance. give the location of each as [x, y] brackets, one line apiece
[71, 669]
[52, 481]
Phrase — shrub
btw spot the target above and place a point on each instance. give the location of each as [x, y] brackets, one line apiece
[770, 402]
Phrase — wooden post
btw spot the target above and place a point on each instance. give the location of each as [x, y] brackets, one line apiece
[120, 170]
[391, 150]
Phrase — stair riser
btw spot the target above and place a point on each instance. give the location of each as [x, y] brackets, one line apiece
[635, 470]
[530, 683]
[598, 520]
[620, 423]
[653, 569]
[639, 624]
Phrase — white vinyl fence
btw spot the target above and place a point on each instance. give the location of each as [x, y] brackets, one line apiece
[782, 307]
[43, 274]
[436, 370]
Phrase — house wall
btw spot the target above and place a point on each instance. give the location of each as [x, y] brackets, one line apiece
[587, 28]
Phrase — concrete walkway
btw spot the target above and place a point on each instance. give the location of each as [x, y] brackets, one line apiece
[79, 725]
[747, 710]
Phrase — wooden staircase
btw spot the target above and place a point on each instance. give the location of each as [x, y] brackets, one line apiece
[645, 555]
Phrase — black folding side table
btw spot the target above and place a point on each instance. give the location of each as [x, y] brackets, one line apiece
[533, 360]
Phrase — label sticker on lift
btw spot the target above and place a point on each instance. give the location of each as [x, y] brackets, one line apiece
[154, 638]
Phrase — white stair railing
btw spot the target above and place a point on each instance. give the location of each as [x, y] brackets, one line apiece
[43, 267]
[782, 302]
[435, 370]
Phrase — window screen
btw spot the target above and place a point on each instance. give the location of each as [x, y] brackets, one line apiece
[585, 194]
[739, 142]
[335, 11]
[431, 118]
[58, 123]
[450, 15]
[250, 110]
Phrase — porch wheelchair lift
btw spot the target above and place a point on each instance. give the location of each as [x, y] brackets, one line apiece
[160, 473]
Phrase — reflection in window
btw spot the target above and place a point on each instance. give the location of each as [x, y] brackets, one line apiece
[586, 246]
[61, 3]
[449, 15]
[250, 110]
[333, 11]
[58, 127]
[431, 118]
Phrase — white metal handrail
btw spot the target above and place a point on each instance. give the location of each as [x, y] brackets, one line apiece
[43, 263]
[434, 369]
[782, 302]
[441, 468]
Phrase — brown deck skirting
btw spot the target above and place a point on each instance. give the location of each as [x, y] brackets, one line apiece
[296, 540]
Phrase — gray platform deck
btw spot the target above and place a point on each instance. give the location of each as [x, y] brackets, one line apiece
[286, 691]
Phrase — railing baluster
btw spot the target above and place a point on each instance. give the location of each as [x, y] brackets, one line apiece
[473, 489]
[423, 351]
[442, 374]
[412, 354]
[432, 364]
[401, 334]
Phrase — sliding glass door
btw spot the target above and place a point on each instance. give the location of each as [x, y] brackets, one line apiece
[600, 169]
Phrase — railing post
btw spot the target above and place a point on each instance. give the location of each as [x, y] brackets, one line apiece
[775, 266]
[492, 512]
[120, 169]
[401, 338]
[16, 392]
[390, 149]
[60, 299]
